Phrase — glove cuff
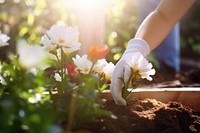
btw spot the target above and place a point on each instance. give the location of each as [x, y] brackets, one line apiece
[138, 45]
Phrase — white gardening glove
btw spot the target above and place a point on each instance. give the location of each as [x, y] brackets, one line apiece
[122, 69]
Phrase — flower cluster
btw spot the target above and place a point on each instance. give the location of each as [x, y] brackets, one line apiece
[101, 67]
[138, 68]
[61, 41]
[61, 36]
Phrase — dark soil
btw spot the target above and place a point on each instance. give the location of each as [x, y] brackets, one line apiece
[148, 116]
[168, 79]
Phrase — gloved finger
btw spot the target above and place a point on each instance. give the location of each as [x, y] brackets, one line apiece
[116, 91]
[116, 84]
[119, 100]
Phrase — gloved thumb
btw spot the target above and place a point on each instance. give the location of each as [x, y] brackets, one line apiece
[116, 91]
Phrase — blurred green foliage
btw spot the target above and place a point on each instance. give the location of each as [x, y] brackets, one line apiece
[28, 19]
[24, 107]
[121, 25]
[190, 33]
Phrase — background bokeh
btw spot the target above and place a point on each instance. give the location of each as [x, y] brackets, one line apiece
[29, 19]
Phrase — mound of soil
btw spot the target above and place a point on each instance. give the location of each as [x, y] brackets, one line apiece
[151, 115]
[147, 116]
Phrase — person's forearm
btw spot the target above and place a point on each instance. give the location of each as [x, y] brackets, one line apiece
[160, 22]
[153, 30]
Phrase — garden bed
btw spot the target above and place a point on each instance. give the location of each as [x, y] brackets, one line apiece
[170, 106]
[148, 116]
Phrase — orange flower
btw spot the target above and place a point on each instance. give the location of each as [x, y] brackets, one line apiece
[98, 51]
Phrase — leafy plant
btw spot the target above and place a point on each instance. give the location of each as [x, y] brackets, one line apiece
[76, 79]
[46, 85]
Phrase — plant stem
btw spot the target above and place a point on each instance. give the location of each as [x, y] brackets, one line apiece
[72, 110]
[126, 85]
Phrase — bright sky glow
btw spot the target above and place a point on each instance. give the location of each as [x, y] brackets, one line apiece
[87, 4]
[2, 1]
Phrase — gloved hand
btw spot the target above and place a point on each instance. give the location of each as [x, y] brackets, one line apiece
[122, 69]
